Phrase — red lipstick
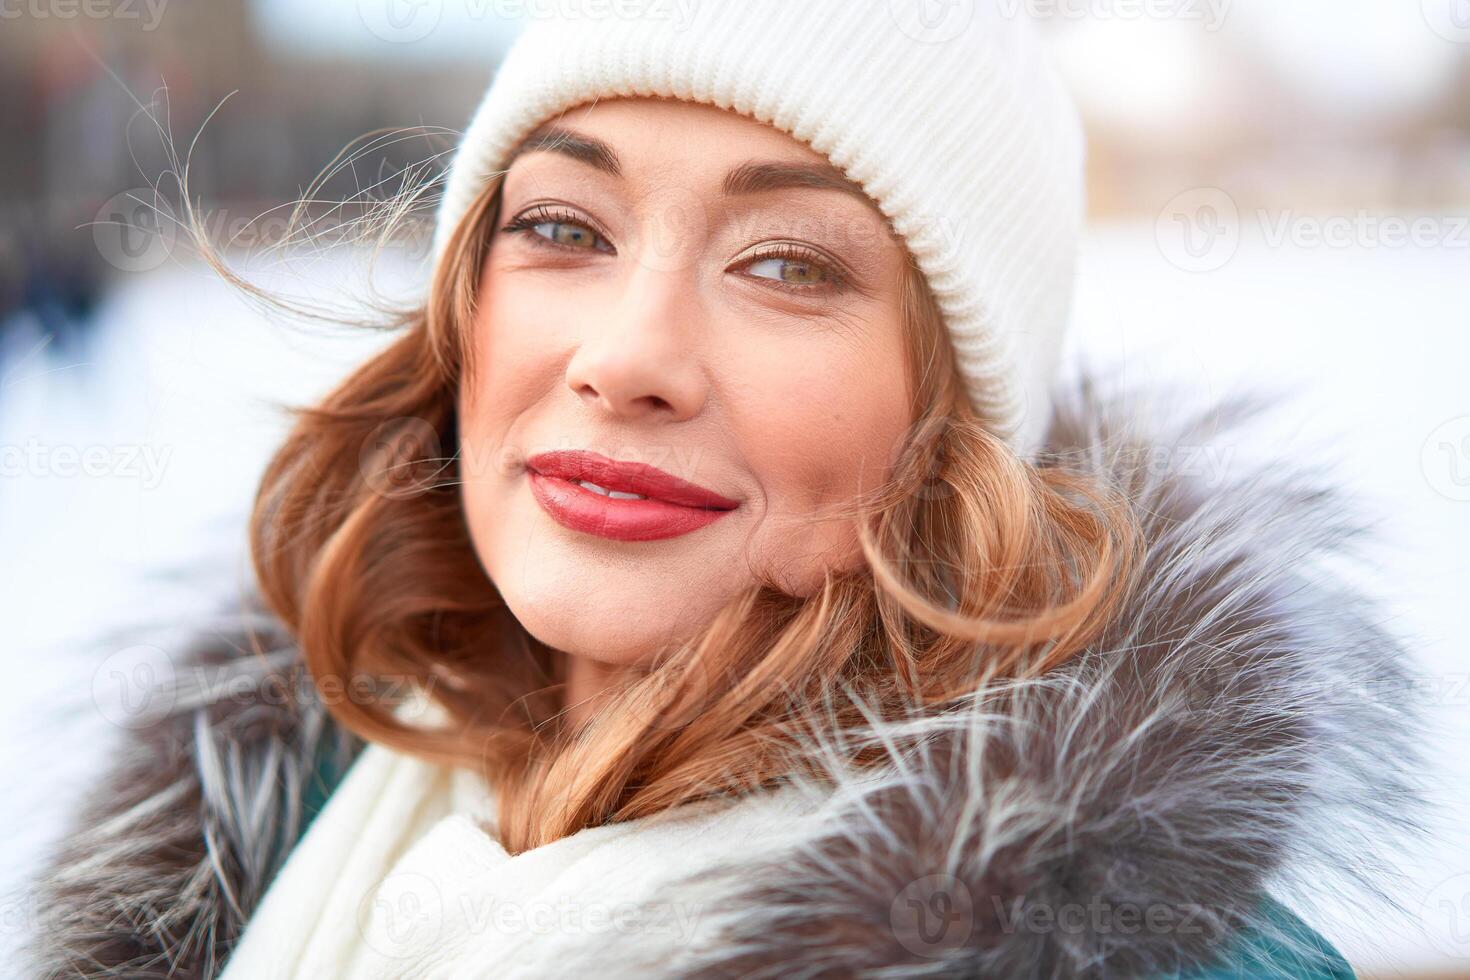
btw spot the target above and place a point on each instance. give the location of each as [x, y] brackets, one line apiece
[670, 506]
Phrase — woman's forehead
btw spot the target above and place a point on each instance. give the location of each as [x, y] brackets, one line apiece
[671, 142]
[664, 123]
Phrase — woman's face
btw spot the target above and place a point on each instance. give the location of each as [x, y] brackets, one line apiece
[685, 288]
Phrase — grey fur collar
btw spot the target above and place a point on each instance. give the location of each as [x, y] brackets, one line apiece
[1245, 726]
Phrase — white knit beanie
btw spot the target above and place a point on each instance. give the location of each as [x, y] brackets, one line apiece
[947, 114]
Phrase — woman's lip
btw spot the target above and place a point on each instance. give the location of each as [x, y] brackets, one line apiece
[574, 506]
[626, 476]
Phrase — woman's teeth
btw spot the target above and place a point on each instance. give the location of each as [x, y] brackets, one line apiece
[615, 494]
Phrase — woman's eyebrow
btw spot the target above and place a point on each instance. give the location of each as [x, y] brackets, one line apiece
[585, 149]
[752, 177]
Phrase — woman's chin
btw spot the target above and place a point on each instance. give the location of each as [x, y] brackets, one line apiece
[617, 627]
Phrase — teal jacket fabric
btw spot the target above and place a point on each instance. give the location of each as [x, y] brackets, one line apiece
[1297, 953]
[1300, 953]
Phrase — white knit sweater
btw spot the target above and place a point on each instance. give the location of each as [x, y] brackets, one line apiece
[395, 878]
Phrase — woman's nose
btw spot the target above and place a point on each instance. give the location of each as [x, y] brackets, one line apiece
[641, 357]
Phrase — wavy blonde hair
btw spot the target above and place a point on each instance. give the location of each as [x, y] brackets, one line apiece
[976, 565]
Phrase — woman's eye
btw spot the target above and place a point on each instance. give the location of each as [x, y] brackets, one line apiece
[560, 230]
[795, 270]
[566, 233]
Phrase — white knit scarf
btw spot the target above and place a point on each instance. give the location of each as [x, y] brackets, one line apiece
[397, 877]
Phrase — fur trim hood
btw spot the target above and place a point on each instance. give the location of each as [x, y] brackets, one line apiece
[1244, 728]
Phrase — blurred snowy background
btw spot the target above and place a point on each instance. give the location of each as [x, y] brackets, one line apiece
[1280, 195]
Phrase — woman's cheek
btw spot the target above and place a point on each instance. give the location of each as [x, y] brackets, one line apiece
[523, 336]
[818, 424]
[825, 415]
